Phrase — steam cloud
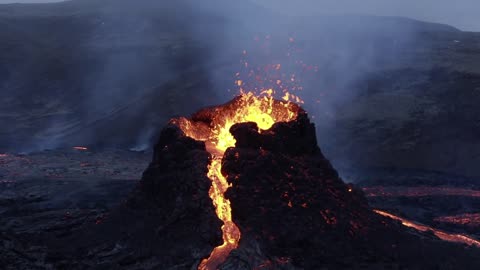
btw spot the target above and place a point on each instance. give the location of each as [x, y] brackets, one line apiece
[128, 66]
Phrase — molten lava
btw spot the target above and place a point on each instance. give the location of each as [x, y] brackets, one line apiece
[457, 238]
[213, 127]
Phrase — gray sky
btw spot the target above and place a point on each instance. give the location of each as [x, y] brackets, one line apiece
[27, 1]
[462, 14]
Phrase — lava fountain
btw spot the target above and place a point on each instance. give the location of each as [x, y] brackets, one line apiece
[212, 126]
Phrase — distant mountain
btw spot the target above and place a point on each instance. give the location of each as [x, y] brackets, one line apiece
[392, 92]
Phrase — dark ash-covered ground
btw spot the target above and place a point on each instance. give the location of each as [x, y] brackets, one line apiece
[53, 194]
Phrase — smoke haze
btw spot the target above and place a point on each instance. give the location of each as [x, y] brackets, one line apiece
[461, 14]
[123, 58]
[111, 73]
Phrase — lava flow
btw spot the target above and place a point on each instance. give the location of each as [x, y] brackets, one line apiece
[248, 107]
[458, 238]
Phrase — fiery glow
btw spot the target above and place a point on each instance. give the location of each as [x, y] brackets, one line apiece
[213, 127]
[458, 238]
[230, 231]
[262, 109]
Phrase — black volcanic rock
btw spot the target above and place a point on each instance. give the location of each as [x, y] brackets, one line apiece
[168, 222]
[293, 211]
[176, 187]
[287, 196]
[295, 138]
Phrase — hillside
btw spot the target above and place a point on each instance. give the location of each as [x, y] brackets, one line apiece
[393, 92]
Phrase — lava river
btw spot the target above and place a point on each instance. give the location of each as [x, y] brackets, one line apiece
[457, 238]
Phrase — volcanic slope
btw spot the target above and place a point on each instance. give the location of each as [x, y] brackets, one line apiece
[293, 210]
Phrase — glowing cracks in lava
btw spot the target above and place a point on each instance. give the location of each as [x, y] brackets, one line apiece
[457, 238]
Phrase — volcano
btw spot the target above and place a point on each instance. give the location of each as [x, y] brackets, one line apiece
[243, 185]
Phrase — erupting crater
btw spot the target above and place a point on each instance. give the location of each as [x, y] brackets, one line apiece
[212, 126]
[264, 168]
[244, 185]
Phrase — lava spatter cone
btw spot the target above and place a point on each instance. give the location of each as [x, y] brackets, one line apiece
[267, 175]
[244, 185]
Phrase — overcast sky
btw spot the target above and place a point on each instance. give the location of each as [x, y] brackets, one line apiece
[463, 14]
[27, 1]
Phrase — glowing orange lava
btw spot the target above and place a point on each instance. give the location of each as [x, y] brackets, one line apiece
[262, 109]
[458, 238]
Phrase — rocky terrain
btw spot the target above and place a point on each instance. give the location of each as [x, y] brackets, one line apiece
[293, 210]
[430, 124]
[76, 162]
[394, 102]
[35, 206]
